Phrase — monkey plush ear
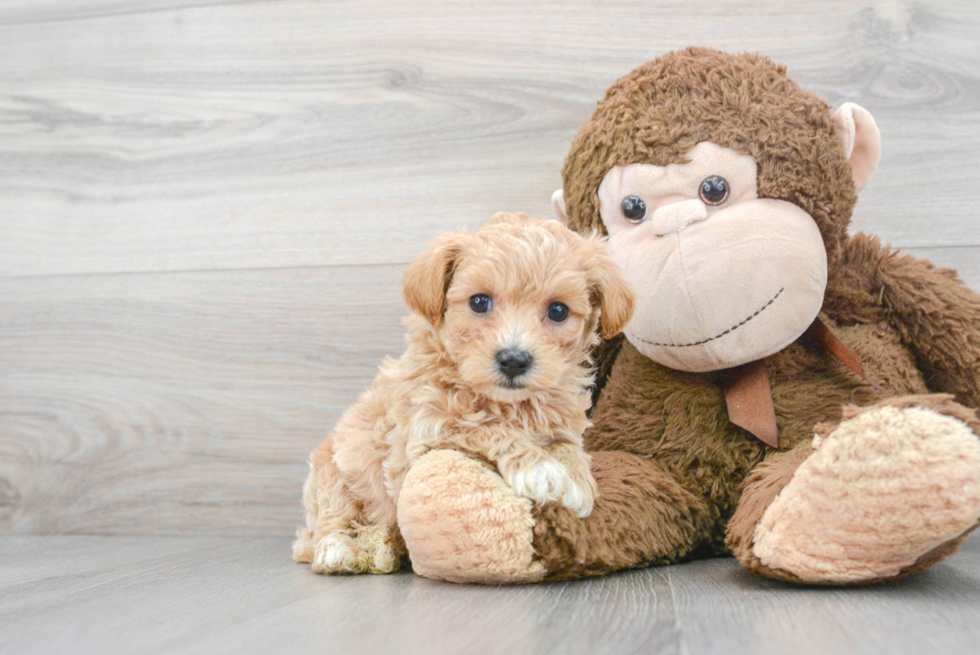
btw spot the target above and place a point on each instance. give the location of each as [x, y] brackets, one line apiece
[861, 139]
[615, 297]
[425, 282]
[558, 205]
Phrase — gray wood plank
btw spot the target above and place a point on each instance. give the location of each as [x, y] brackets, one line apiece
[247, 596]
[718, 606]
[30, 562]
[119, 594]
[292, 133]
[19, 12]
[180, 402]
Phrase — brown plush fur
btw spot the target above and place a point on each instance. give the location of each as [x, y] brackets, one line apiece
[676, 426]
[643, 516]
[661, 110]
[448, 392]
[671, 468]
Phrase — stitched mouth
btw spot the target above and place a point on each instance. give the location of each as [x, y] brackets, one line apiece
[720, 334]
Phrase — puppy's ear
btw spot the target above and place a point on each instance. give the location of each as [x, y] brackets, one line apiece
[425, 282]
[614, 295]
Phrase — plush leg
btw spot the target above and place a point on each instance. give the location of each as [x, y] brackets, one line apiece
[891, 490]
[642, 516]
[463, 523]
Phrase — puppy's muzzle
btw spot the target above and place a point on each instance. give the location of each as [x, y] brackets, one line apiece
[514, 363]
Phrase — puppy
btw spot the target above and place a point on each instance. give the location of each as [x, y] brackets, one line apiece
[498, 367]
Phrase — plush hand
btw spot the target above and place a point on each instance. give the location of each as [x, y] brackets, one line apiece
[463, 523]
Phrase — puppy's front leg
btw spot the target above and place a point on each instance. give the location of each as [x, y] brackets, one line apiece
[561, 476]
[580, 489]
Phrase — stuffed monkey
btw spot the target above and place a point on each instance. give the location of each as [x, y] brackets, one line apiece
[799, 397]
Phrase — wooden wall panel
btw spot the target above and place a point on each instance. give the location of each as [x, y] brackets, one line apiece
[287, 133]
[205, 207]
[180, 402]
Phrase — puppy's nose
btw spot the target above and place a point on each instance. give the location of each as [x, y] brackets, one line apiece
[512, 362]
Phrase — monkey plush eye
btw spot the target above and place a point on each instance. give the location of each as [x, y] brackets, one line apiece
[480, 303]
[714, 190]
[634, 209]
[558, 312]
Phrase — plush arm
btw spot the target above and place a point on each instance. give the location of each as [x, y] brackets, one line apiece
[938, 317]
[461, 522]
[642, 516]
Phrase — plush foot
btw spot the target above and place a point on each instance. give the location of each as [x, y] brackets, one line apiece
[374, 549]
[461, 522]
[890, 490]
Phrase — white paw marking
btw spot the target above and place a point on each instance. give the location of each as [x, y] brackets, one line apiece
[574, 499]
[545, 481]
[333, 553]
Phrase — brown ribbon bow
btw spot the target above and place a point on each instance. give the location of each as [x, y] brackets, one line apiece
[749, 396]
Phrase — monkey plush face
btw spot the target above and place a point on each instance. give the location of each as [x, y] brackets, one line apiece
[726, 191]
[742, 277]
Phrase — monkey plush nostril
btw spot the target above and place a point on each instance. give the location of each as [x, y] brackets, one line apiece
[513, 363]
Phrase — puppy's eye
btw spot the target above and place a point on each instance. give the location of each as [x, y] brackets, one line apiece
[480, 303]
[634, 209]
[558, 312]
[714, 190]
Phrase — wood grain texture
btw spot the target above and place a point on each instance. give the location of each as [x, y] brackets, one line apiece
[292, 133]
[205, 207]
[720, 606]
[20, 12]
[180, 402]
[210, 595]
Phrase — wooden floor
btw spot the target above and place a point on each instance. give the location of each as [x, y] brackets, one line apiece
[210, 595]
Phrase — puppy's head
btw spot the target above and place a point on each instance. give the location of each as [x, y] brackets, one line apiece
[518, 303]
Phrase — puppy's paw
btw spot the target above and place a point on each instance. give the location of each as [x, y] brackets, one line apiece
[375, 549]
[382, 547]
[544, 480]
[580, 498]
[337, 553]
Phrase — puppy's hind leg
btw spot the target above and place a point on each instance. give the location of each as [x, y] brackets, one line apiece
[304, 544]
[348, 530]
[331, 519]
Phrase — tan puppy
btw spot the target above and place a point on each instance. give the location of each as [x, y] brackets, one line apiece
[497, 367]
